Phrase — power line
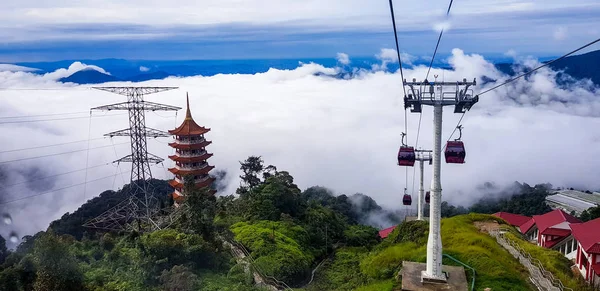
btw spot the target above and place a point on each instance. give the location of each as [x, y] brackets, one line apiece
[402, 81]
[66, 118]
[438, 42]
[57, 175]
[544, 65]
[45, 89]
[58, 154]
[39, 115]
[522, 75]
[54, 190]
[397, 45]
[50, 145]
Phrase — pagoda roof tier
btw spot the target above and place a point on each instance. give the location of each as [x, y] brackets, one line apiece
[178, 198]
[189, 126]
[179, 185]
[181, 159]
[193, 146]
[181, 172]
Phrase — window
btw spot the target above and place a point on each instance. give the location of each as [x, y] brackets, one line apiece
[569, 247]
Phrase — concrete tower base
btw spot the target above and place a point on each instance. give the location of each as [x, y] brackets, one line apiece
[411, 278]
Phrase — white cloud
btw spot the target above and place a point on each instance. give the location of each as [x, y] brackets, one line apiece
[15, 68]
[343, 134]
[560, 33]
[144, 69]
[73, 68]
[343, 58]
[387, 56]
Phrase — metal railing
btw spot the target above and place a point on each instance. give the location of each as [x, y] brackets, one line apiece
[472, 269]
[555, 282]
[267, 278]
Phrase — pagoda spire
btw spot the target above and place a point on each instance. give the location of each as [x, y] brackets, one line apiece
[188, 113]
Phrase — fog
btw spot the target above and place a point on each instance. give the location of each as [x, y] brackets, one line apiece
[342, 134]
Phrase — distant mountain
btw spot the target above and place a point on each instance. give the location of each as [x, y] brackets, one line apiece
[88, 76]
[584, 66]
[579, 66]
[159, 75]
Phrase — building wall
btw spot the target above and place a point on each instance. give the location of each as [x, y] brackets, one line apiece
[568, 247]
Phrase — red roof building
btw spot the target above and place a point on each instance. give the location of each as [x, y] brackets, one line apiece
[587, 235]
[190, 156]
[515, 220]
[385, 232]
[553, 231]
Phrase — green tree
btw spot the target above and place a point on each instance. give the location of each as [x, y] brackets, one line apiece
[361, 236]
[590, 214]
[252, 167]
[3, 250]
[179, 278]
[56, 267]
[201, 212]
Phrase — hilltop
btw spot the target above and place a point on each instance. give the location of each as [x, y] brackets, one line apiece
[290, 235]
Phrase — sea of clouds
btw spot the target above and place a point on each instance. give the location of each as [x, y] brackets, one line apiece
[343, 134]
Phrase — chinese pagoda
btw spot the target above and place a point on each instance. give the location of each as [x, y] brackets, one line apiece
[190, 156]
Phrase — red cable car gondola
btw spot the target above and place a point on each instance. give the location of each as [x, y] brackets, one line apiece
[407, 200]
[455, 150]
[406, 156]
[427, 197]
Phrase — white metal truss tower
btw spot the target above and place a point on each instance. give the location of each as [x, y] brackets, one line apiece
[438, 95]
[422, 156]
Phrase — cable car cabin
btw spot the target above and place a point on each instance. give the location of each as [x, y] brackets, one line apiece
[427, 197]
[406, 156]
[407, 200]
[455, 152]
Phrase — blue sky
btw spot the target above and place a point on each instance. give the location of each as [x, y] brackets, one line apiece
[39, 30]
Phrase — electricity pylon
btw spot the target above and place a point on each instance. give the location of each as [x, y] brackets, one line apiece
[141, 206]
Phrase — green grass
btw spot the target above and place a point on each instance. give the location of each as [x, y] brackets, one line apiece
[386, 285]
[553, 261]
[495, 267]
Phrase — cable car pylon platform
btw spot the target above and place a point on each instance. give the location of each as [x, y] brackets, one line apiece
[411, 278]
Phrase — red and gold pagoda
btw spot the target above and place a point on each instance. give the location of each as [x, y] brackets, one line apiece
[190, 156]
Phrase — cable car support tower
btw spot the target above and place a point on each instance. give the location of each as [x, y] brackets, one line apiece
[422, 156]
[141, 210]
[438, 95]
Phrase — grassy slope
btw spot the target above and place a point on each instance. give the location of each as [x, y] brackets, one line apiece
[375, 270]
[552, 261]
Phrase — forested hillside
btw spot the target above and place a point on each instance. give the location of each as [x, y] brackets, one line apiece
[288, 231]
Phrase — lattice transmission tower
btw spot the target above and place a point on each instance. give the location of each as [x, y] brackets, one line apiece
[141, 210]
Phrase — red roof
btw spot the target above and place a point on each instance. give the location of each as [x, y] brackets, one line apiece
[596, 268]
[588, 235]
[202, 171]
[201, 158]
[189, 126]
[557, 231]
[551, 243]
[385, 232]
[527, 226]
[178, 185]
[193, 146]
[553, 218]
[513, 219]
